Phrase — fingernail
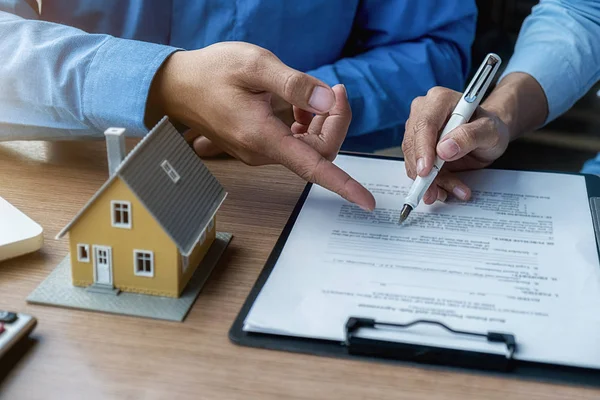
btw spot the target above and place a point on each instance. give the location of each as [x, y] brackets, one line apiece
[448, 148]
[357, 194]
[420, 166]
[427, 198]
[364, 208]
[460, 192]
[321, 99]
[345, 90]
[442, 195]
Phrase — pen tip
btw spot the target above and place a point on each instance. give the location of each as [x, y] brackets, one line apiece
[405, 213]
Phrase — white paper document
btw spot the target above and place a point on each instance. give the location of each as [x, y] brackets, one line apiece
[520, 258]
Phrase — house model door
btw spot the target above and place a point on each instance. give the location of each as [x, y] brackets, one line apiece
[103, 265]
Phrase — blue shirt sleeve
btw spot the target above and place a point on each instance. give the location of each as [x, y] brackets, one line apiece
[398, 50]
[60, 81]
[559, 46]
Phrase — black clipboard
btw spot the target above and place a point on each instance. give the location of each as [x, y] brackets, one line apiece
[408, 354]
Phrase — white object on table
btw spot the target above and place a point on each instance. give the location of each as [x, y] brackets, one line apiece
[19, 234]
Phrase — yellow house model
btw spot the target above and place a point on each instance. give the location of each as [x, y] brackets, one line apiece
[150, 225]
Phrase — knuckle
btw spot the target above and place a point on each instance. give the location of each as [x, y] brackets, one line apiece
[493, 126]
[306, 173]
[462, 136]
[329, 154]
[407, 146]
[249, 68]
[436, 92]
[439, 94]
[490, 124]
[421, 127]
[253, 59]
[292, 82]
[451, 181]
[423, 132]
[416, 104]
[446, 180]
[310, 172]
[256, 52]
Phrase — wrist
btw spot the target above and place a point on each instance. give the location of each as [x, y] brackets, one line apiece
[161, 99]
[520, 102]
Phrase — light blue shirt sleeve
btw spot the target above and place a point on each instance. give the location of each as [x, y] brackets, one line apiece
[58, 81]
[404, 49]
[76, 83]
[559, 45]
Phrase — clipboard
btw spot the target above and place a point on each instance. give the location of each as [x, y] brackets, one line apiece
[416, 355]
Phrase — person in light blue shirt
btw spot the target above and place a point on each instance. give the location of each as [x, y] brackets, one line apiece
[556, 62]
[72, 68]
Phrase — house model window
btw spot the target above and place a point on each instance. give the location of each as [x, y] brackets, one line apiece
[83, 252]
[143, 263]
[121, 214]
[168, 168]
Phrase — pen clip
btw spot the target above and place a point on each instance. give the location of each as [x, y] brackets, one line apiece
[482, 79]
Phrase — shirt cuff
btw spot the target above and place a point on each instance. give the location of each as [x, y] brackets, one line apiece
[542, 62]
[118, 82]
[592, 166]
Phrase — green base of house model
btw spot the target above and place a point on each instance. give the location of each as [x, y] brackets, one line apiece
[58, 290]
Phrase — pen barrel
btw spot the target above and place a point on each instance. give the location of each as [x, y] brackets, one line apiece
[421, 184]
[457, 118]
[419, 187]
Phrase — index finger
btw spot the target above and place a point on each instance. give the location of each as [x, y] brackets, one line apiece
[307, 163]
[427, 117]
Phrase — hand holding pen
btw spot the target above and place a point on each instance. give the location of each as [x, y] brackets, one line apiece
[456, 143]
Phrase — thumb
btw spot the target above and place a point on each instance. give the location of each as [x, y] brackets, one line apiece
[204, 147]
[295, 87]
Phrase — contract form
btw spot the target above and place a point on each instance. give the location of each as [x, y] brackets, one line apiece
[520, 258]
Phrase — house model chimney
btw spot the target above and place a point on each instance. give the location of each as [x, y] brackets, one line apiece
[115, 148]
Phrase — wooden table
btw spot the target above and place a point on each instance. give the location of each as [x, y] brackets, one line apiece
[86, 355]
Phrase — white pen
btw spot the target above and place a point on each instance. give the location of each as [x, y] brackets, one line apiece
[463, 112]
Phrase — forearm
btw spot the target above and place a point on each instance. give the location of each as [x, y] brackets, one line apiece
[520, 102]
[558, 46]
[62, 82]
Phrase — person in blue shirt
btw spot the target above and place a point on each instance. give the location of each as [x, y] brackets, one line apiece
[72, 68]
[556, 62]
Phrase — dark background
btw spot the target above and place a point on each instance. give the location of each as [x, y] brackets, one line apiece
[563, 144]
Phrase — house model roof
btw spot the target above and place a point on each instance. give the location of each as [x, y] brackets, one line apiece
[183, 208]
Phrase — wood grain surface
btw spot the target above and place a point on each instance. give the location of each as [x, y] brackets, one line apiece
[85, 355]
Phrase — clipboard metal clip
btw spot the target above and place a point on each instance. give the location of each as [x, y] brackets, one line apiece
[426, 353]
